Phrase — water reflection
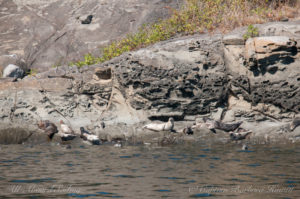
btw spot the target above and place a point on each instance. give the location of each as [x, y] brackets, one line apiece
[195, 171]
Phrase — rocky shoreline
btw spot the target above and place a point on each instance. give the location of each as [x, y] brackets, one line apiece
[223, 77]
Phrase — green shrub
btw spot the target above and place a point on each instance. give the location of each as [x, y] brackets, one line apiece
[251, 32]
[197, 16]
[32, 72]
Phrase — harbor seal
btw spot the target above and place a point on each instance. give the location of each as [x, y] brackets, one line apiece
[90, 138]
[295, 123]
[65, 128]
[227, 127]
[66, 133]
[49, 128]
[240, 134]
[188, 131]
[168, 126]
[214, 124]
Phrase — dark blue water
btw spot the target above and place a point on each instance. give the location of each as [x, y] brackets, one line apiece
[179, 171]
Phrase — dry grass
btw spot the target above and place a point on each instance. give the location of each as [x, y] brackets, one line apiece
[198, 16]
[226, 15]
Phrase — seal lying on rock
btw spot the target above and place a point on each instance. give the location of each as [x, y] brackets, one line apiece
[67, 133]
[48, 128]
[295, 123]
[209, 125]
[188, 131]
[168, 126]
[214, 124]
[86, 136]
[241, 134]
[227, 127]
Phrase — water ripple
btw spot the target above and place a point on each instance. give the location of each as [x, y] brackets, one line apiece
[34, 180]
[201, 195]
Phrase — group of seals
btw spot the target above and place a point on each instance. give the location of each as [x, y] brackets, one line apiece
[67, 133]
[208, 123]
[236, 133]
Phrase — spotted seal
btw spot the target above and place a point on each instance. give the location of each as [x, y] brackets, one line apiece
[49, 128]
[240, 134]
[167, 126]
[295, 122]
[86, 136]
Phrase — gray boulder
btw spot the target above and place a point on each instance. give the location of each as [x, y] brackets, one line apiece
[13, 71]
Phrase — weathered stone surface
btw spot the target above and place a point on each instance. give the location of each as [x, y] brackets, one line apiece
[266, 70]
[178, 78]
[261, 53]
[233, 39]
[48, 33]
[19, 132]
[184, 78]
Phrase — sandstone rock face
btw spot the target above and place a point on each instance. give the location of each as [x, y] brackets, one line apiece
[256, 81]
[47, 33]
[265, 69]
[176, 78]
[13, 71]
[262, 53]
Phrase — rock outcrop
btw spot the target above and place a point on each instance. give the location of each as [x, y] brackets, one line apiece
[174, 78]
[254, 81]
[265, 70]
[48, 33]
